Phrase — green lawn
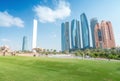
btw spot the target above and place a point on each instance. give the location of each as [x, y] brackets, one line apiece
[53, 69]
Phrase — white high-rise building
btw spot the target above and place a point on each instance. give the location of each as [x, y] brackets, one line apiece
[34, 33]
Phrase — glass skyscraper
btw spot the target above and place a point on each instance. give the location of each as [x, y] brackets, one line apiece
[24, 44]
[65, 40]
[85, 31]
[78, 34]
[93, 22]
[75, 34]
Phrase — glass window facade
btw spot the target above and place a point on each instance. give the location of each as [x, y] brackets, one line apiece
[93, 22]
[65, 41]
[85, 31]
[75, 34]
[24, 45]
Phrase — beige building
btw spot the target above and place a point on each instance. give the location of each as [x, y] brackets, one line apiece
[104, 36]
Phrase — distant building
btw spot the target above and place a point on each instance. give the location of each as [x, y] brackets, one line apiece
[24, 44]
[93, 23]
[85, 31]
[101, 35]
[75, 35]
[65, 40]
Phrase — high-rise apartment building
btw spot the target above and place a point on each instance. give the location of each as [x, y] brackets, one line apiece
[85, 31]
[65, 36]
[93, 23]
[24, 44]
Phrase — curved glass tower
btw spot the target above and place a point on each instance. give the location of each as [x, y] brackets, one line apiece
[85, 31]
[75, 34]
[78, 34]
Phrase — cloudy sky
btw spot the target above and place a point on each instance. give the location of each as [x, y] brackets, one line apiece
[16, 19]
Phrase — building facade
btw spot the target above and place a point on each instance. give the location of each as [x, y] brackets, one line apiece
[98, 36]
[65, 36]
[75, 35]
[85, 31]
[24, 44]
[104, 37]
[93, 23]
[108, 36]
[78, 35]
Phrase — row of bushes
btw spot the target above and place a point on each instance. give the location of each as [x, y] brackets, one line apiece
[113, 53]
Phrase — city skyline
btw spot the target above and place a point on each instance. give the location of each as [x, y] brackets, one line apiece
[19, 21]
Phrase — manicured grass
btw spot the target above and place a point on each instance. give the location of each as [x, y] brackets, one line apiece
[53, 69]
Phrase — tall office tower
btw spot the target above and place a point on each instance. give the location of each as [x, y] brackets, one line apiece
[65, 36]
[24, 44]
[34, 33]
[98, 36]
[78, 34]
[75, 34]
[108, 36]
[85, 31]
[93, 23]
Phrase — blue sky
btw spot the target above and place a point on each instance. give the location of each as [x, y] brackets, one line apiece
[16, 19]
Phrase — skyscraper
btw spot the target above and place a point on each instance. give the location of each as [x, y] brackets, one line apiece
[65, 36]
[85, 31]
[75, 34]
[93, 22]
[108, 36]
[104, 36]
[24, 44]
[98, 36]
[34, 33]
[78, 34]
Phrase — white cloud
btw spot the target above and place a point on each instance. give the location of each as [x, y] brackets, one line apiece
[46, 14]
[5, 40]
[7, 20]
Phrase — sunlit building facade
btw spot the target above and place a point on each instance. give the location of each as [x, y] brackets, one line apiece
[24, 44]
[93, 23]
[98, 36]
[104, 37]
[65, 36]
[75, 35]
[108, 36]
[85, 31]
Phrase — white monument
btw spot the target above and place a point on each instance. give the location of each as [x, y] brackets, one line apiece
[34, 34]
